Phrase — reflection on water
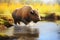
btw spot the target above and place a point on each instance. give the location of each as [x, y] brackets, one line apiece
[48, 31]
[59, 31]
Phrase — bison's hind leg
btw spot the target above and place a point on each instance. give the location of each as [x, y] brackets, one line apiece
[15, 22]
[19, 22]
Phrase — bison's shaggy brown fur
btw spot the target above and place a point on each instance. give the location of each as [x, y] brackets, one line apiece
[25, 14]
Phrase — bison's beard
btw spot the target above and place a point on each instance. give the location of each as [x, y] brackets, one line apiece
[36, 21]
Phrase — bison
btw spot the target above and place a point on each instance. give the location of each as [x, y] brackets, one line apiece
[25, 15]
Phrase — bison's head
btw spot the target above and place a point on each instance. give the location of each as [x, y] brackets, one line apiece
[34, 16]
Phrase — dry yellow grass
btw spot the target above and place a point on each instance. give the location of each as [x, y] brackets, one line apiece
[8, 9]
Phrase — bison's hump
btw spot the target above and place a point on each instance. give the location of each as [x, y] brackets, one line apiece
[24, 11]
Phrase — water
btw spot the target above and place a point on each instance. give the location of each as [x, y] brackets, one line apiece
[48, 31]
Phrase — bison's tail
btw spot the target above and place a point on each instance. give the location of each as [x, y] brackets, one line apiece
[14, 13]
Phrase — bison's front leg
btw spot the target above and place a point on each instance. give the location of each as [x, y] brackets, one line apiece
[24, 21]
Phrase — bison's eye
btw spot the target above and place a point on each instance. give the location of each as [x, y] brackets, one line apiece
[32, 13]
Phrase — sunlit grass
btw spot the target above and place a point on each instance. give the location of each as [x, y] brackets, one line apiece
[41, 8]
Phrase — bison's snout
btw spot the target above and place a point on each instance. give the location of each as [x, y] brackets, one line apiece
[37, 19]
